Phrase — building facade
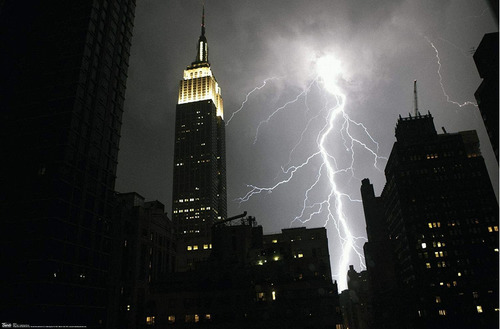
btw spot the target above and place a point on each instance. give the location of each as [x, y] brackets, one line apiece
[441, 220]
[253, 280]
[146, 255]
[199, 180]
[63, 71]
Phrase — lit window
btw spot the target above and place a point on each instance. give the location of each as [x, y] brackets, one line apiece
[424, 245]
[300, 255]
[496, 249]
[475, 294]
[171, 319]
[196, 318]
[276, 258]
[274, 294]
[459, 274]
[261, 296]
[490, 229]
[275, 241]
[205, 246]
[209, 246]
[195, 247]
[495, 228]
[428, 265]
[430, 225]
[189, 248]
[479, 309]
[442, 312]
[208, 316]
[128, 307]
[438, 299]
[150, 320]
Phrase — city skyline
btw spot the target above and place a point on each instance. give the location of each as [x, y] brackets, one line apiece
[382, 50]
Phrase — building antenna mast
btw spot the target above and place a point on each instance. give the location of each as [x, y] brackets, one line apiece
[416, 97]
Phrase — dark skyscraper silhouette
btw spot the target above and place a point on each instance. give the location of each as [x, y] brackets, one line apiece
[63, 68]
[486, 59]
[199, 185]
[441, 239]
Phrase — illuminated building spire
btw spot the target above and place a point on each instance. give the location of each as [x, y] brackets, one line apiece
[199, 83]
[202, 54]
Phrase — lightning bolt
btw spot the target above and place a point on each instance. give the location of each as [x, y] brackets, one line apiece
[448, 99]
[336, 126]
[248, 96]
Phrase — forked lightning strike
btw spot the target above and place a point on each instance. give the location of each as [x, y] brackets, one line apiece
[331, 206]
[448, 99]
[246, 98]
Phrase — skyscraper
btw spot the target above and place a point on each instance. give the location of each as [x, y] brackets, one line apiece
[441, 220]
[199, 182]
[486, 59]
[63, 70]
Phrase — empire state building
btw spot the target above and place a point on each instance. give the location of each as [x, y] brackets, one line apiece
[199, 181]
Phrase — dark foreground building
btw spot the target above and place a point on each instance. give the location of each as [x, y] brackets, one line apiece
[63, 69]
[199, 180]
[486, 59]
[432, 254]
[145, 254]
[253, 280]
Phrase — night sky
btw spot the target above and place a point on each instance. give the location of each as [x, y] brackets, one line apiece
[381, 47]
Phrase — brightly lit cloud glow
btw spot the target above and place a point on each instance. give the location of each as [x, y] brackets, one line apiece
[324, 198]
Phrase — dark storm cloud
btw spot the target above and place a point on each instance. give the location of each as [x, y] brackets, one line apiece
[381, 45]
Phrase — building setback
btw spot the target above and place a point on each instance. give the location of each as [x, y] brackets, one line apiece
[63, 70]
[440, 217]
[199, 180]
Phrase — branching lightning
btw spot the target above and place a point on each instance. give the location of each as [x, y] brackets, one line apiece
[336, 128]
[248, 95]
[448, 99]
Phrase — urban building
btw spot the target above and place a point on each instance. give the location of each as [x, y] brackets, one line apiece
[253, 280]
[486, 59]
[441, 220]
[146, 255]
[356, 301]
[63, 70]
[199, 180]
